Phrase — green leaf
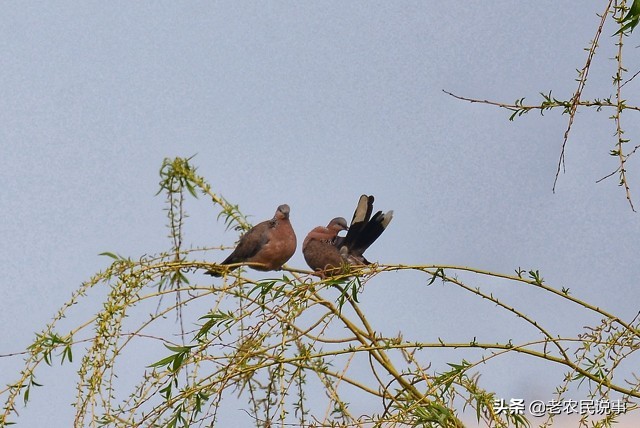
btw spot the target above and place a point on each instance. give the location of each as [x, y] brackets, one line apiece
[163, 362]
[66, 354]
[4, 422]
[631, 19]
[535, 276]
[191, 189]
[354, 293]
[109, 254]
[166, 391]
[214, 319]
[174, 361]
[439, 273]
[180, 349]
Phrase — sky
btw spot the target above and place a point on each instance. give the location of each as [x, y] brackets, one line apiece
[313, 104]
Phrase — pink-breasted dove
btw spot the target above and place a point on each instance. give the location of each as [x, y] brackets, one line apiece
[269, 244]
[325, 251]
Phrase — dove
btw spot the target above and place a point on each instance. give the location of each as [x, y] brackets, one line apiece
[318, 249]
[269, 244]
[324, 250]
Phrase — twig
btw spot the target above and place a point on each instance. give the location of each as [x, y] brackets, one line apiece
[575, 100]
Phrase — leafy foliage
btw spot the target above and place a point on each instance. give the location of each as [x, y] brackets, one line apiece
[272, 344]
[626, 18]
[268, 343]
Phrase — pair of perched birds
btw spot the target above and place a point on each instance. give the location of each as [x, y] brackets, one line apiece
[270, 244]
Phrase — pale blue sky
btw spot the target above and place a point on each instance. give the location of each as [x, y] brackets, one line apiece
[311, 104]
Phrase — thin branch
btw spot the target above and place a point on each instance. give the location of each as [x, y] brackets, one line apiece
[575, 100]
[618, 117]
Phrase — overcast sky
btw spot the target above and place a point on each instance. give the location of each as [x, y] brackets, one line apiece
[314, 104]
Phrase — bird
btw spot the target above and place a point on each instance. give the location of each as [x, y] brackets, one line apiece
[267, 246]
[318, 249]
[326, 252]
[363, 232]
